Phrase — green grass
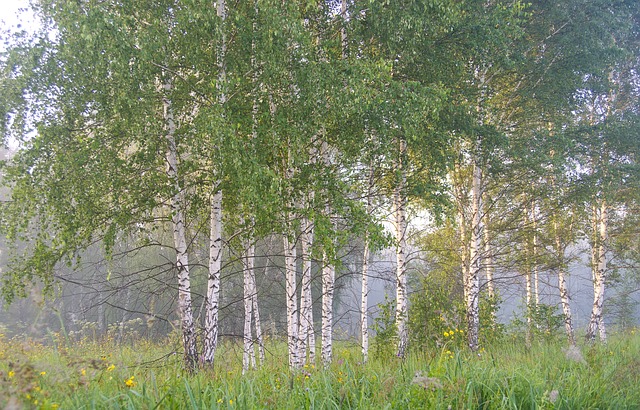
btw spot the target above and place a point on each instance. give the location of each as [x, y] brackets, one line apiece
[87, 375]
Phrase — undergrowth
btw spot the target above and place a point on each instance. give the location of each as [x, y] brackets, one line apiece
[61, 374]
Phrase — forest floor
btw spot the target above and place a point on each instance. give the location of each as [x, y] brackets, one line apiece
[143, 374]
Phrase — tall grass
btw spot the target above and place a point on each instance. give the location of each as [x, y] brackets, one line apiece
[148, 375]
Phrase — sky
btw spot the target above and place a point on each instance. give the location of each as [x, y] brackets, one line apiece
[9, 14]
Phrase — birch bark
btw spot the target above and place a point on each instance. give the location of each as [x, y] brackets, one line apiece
[328, 279]
[472, 284]
[292, 305]
[213, 282]
[488, 261]
[562, 284]
[488, 258]
[307, 337]
[528, 279]
[254, 133]
[364, 301]
[248, 356]
[460, 196]
[179, 237]
[400, 201]
[534, 254]
[364, 305]
[599, 270]
[256, 312]
[215, 233]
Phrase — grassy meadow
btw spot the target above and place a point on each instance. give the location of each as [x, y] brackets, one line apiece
[60, 374]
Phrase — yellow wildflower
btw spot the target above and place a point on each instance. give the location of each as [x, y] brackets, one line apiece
[11, 373]
[220, 400]
[129, 382]
[54, 406]
[83, 372]
[43, 373]
[231, 401]
[446, 334]
[111, 367]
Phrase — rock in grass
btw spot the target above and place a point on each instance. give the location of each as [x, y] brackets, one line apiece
[432, 383]
[13, 404]
[573, 353]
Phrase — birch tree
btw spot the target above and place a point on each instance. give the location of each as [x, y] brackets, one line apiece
[215, 236]
[117, 176]
[179, 236]
[307, 334]
[364, 298]
[400, 225]
[563, 233]
[251, 312]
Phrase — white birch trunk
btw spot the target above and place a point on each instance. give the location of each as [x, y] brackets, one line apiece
[528, 281]
[602, 269]
[529, 310]
[343, 31]
[292, 305]
[256, 311]
[213, 282]
[215, 233]
[562, 285]
[249, 356]
[306, 335]
[253, 293]
[599, 269]
[475, 259]
[488, 262]
[534, 255]
[400, 225]
[364, 301]
[488, 259]
[328, 279]
[254, 133]
[462, 229]
[179, 239]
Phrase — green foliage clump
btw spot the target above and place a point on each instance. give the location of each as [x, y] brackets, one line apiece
[541, 321]
[437, 314]
[386, 333]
